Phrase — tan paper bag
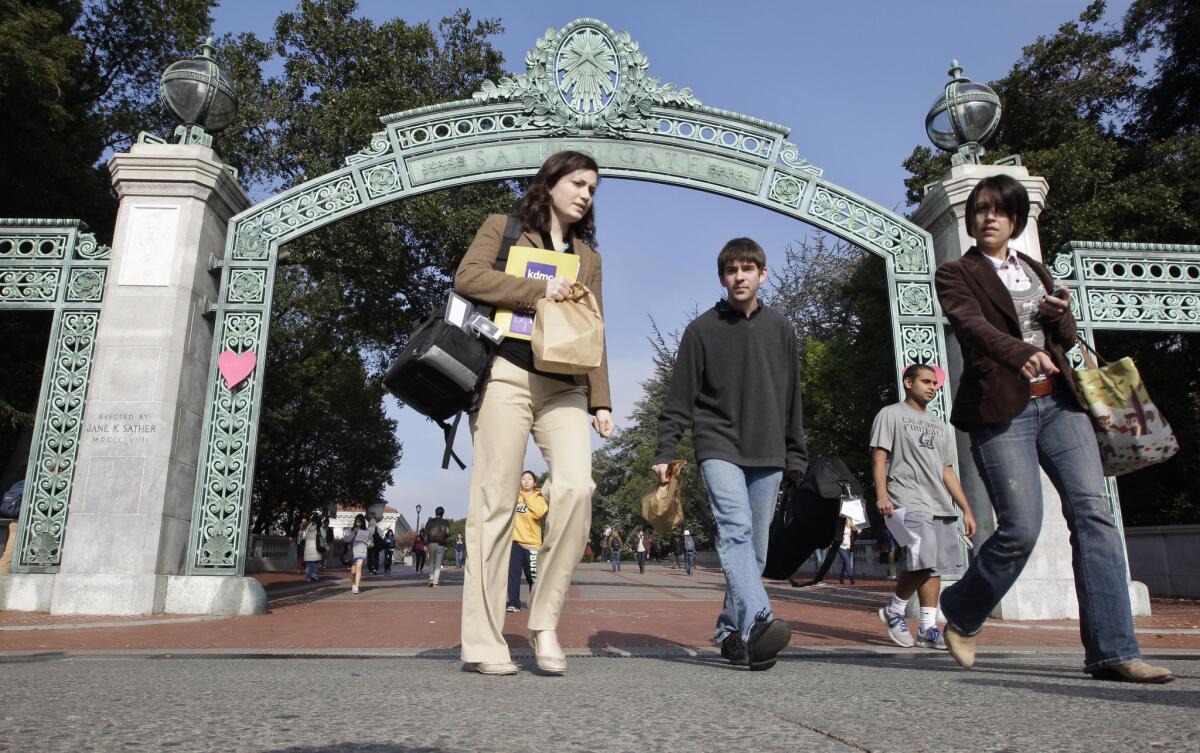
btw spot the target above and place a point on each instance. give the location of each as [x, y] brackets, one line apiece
[662, 507]
[568, 336]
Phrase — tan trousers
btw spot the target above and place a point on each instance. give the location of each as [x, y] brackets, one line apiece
[515, 403]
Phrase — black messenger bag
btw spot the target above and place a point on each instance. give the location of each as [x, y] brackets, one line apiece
[808, 518]
[441, 369]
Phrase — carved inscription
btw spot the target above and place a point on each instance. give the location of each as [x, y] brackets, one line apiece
[617, 155]
[121, 429]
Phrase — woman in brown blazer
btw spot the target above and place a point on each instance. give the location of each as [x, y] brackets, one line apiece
[517, 400]
[1019, 405]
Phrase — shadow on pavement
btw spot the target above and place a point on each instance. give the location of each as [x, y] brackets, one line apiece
[357, 748]
[38, 658]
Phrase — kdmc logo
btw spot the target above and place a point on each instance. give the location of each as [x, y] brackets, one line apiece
[535, 271]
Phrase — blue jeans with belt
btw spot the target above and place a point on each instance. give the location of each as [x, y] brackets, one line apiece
[1055, 434]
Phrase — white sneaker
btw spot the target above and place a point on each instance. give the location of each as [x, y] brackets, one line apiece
[354, 589]
[897, 627]
[931, 638]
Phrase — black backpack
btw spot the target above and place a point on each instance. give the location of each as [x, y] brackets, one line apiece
[808, 518]
[441, 369]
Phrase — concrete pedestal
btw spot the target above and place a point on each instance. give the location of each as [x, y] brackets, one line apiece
[131, 506]
[1046, 588]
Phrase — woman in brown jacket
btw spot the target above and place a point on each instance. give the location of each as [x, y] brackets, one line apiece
[517, 400]
[1018, 403]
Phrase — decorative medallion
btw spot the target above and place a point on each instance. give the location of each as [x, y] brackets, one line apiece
[587, 77]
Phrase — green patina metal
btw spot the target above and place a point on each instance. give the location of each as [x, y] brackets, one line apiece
[587, 88]
[53, 265]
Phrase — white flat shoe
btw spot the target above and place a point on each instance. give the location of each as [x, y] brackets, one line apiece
[549, 663]
[495, 667]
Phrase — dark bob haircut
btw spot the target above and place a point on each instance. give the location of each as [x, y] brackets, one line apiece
[534, 208]
[740, 249]
[1009, 197]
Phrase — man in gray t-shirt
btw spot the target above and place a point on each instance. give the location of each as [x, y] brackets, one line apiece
[912, 464]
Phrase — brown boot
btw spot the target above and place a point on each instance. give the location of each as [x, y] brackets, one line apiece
[1134, 671]
[961, 647]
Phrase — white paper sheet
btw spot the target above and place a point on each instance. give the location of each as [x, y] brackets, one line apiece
[852, 508]
[903, 536]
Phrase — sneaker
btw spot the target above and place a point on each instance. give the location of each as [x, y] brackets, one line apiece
[733, 649]
[931, 638]
[511, 608]
[354, 589]
[767, 639]
[897, 627]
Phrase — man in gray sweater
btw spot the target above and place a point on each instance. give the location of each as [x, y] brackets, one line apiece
[737, 383]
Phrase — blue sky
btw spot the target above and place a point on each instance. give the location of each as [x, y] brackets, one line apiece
[853, 80]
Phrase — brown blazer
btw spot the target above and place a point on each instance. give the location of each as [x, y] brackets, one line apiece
[478, 279]
[981, 312]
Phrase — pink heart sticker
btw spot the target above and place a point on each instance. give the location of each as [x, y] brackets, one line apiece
[235, 367]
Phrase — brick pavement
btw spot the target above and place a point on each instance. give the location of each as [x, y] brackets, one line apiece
[604, 611]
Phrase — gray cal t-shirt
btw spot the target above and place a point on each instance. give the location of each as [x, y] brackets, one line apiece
[920, 447]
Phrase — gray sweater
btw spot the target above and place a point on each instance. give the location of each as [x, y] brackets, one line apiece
[737, 382]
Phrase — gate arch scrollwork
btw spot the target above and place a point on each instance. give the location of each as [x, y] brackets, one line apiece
[587, 88]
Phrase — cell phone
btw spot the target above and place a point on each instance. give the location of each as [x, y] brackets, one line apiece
[1060, 293]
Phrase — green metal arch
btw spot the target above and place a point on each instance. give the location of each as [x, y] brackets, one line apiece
[634, 127]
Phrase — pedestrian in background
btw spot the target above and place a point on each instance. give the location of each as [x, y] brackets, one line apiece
[459, 549]
[677, 552]
[846, 551]
[527, 539]
[437, 535]
[389, 550]
[300, 544]
[376, 552]
[312, 548]
[356, 540]
[642, 553]
[614, 550]
[419, 553]
[689, 551]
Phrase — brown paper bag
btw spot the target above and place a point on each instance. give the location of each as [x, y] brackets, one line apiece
[662, 507]
[568, 336]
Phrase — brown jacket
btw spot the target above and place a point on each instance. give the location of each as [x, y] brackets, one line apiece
[981, 312]
[478, 279]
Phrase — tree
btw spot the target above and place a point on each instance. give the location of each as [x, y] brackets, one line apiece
[78, 79]
[1121, 153]
[347, 295]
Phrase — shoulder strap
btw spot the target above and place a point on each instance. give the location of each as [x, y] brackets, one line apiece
[449, 431]
[512, 232]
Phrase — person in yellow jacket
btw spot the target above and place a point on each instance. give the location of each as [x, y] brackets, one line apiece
[527, 538]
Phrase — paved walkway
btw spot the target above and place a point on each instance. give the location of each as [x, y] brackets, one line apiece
[605, 611]
[329, 671]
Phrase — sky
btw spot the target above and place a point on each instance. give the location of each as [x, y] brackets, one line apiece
[853, 80]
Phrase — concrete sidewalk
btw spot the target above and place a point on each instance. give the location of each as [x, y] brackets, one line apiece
[604, 611]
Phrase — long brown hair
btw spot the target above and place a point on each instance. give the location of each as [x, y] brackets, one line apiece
[534, 208]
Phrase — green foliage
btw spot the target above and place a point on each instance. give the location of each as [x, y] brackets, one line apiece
[1120, 149]
[348, 293]
[621, 467]
[77, 79]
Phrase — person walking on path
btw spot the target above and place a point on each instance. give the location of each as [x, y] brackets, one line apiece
[527, 539]
[389, 550]
[356, 541]
[459, 548]
[846, 551]
[312, 548]
[642, 551]
[737, 382]
[912, 465]
[419, 553]
[689, 552]
[604, 544]
[377, 545]
[614, 550]
[517, 400]
[437, 535]
[1021, 408]
[677, 552]
[300, 566]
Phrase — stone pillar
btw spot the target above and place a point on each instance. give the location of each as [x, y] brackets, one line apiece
[1046, 588]
[131, 507]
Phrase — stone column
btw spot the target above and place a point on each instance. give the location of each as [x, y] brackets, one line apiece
[1046, 588]
[131, 507]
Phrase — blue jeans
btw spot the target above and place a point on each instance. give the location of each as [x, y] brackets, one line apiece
[616, 560]
[1054, 433]
[743, 503]
[847, 557]
[458, 559]
[311, 569]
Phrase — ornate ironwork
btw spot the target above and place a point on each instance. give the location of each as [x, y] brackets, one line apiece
[36, 256]
[586, 88]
